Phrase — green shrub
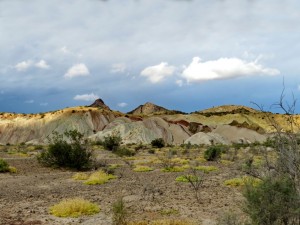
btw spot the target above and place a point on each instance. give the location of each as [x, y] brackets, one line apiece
[213, 153]
[71, 153]
[158, 143]
[274, 201]
[112, 142]
[4, 167]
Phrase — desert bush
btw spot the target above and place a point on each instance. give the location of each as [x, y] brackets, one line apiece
[112, 142]
[4, 167]
[120, 213]
[68, 150]
[273, 201]
[74, 208]
[213, 153]
[158, 143]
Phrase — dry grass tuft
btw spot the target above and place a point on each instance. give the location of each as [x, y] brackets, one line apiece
[12, 169]
[80, 176]
[242, 181]
[74, 208]
[140, 168]
[99, 177]
[206, 169]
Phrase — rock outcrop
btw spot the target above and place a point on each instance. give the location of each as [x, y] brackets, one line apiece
[148, 109]
[99, 103]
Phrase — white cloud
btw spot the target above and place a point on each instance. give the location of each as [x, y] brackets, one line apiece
[44, 104]
[23, 66]
[157, 73]
[224, 68]
[29, 101]
[118, 68]
[77, 70]
[42, 64]
[122, 104]
[86, 97]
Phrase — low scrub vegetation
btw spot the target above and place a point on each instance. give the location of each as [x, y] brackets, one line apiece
[74, 208]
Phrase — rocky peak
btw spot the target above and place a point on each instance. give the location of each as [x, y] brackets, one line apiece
[99, 103]
[148, 108]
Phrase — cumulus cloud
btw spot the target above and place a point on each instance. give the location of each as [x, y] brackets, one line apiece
[42, 64]
[118, 68]
[122, 104]
[23, 66]
[157, 73]
[86, 97]
[224, 68]
[77, 70]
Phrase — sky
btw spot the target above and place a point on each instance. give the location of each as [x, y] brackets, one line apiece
[185, 55]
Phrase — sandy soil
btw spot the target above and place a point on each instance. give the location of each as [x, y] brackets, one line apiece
[25, 197]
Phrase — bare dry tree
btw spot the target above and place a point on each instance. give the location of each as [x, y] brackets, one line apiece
[286, 142]
[195, 178]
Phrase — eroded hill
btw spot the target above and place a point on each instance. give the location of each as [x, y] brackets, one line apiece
[224, 124]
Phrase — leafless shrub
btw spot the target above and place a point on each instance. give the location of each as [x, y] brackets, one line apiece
[195, 178]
